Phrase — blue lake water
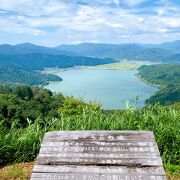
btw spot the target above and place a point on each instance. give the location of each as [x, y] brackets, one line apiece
[111, 88]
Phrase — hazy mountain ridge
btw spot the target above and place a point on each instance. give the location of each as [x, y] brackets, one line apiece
[151, 52]
[28, 48]
[175, 58]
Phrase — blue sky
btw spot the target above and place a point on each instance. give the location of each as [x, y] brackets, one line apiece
[54, 22]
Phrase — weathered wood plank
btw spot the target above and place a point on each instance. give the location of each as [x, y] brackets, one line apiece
[97, 143]
[57, 176]
[101, 155]
[98, 149]
[98, 135]
[157, 170]
[128, 132]
[49, 159]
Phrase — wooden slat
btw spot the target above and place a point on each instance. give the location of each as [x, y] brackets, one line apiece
[97, 143]
[90, 149]
[102, 155]
[98, 169]
[99, 136]
[57, 176]
[83, 133]
[49, 159]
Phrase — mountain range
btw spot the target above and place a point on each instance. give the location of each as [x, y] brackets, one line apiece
[164, 52]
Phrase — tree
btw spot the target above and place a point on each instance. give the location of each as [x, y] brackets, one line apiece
[25, 92]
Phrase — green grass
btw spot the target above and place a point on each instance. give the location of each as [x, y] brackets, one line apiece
[173, 169]
[20, 171]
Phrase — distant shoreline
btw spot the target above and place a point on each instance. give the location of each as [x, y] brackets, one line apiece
[121, 65]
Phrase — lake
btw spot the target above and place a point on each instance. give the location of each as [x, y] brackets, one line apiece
[111, 88]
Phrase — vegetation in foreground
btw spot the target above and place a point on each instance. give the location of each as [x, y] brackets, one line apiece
[19, 171]
[26, 114]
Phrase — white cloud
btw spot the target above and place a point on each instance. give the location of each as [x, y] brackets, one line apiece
[75, 22]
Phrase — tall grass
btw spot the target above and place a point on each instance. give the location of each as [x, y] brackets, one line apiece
[17, 145]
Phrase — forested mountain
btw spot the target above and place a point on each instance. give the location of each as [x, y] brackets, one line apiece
[167, 76]
[165, 52]
[175, 58]
[157, 52]
[173, 46]
[13, 74]
[40, 61]
[103, 50]
[117, 51]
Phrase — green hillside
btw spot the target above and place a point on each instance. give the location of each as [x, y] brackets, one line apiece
[161, 74]
[167, 77]
[40, 61]
[13, 74]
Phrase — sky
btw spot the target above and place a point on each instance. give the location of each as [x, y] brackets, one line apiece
[54, 22]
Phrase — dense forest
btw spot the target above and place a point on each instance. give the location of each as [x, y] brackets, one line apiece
[166, 96]
[14, 74]
[166, 76]
[27, 113]
[161, 74]
[40, 61]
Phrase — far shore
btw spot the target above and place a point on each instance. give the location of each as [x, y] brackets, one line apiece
[121, 65]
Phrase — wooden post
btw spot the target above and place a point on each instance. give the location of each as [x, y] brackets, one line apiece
[99, 155]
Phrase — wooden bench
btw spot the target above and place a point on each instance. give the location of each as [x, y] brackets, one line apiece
[99, 155]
